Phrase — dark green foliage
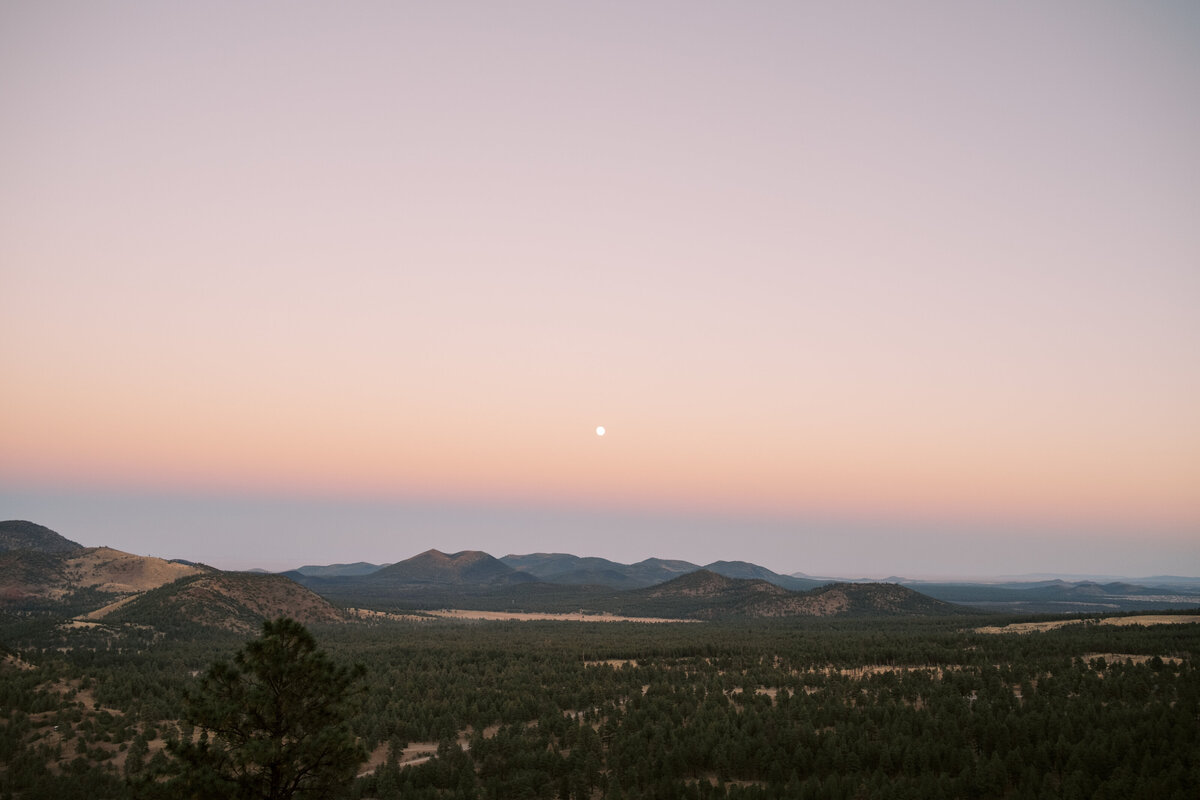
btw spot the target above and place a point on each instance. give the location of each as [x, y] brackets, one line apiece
[271, 724]
[224, 599]
[899, 708]
[19, 534]
[467, 568]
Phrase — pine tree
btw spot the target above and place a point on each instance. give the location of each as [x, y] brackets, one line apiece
[273, 724]
[135, 759]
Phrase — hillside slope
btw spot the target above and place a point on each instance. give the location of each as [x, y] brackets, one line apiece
[744, 569]
[83, 579]
[708, 595]
[237, 601]
[19, 534]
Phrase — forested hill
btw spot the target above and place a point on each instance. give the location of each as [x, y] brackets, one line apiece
[19, 534]
[237, 601]
[744, 569]
[590, 570]
[338, 570]
[101, 587]
[469, 567]
[594, 571]
[706, 595]
[80, 581]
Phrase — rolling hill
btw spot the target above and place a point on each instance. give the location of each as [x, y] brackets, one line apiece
[744, 569]
[81, 580]
[594, 571]
[237, 601]
[428, 580]
[337, 570]
[571, 569]
[465, 568]
[18, 534]
[97, 585]
[707, 595]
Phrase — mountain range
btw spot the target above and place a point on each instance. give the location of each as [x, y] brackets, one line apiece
[44, 572]
[41, 571]
[580, 578]
[565, 568]
[554, 582]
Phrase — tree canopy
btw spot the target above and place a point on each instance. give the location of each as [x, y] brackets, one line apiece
[271, 724]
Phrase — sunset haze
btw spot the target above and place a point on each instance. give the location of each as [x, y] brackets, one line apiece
[868, 288]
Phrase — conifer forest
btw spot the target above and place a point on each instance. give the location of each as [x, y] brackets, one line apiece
[816, 708]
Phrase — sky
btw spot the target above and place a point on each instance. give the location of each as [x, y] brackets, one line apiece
[854, 288]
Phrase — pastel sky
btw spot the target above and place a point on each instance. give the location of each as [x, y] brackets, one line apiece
[855, 288]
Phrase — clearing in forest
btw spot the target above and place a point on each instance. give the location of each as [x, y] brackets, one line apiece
[1138, 619]
[528, 616]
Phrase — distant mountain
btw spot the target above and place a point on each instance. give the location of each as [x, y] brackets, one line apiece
[1058, 596]
[593, 571]
[1172, 581]
[1049, 593]
[237, 601]
[877, 599]
[608, 578]
[543, 565]
[822, 580]
[335, 570]
[744, 569]
[668, 565]
[430, 580]
[472, 579]
[42, 572]
[707, 595]
[571, 569]
[19, 534]
[468, 567]
[708, 585]
[658, 570]
[1029, 578]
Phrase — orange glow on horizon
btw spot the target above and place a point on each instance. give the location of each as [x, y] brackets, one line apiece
[794, 264]
[680, 465]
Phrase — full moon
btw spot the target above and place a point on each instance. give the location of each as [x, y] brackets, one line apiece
[599, 430]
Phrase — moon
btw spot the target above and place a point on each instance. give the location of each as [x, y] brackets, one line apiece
[600, 430]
